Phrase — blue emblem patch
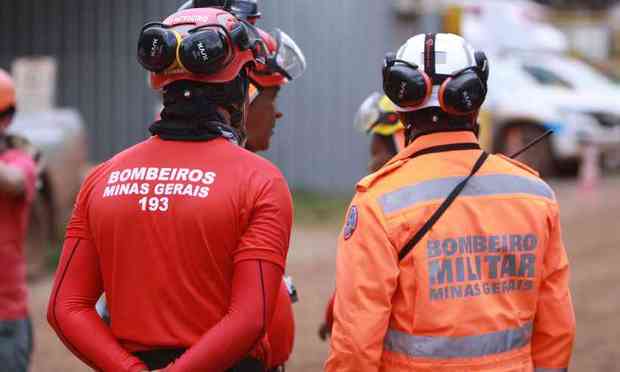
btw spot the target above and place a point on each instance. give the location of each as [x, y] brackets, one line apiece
[351, 224]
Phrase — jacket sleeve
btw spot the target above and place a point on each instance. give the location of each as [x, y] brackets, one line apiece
[71, 311]
[366, 278]
[554, 325]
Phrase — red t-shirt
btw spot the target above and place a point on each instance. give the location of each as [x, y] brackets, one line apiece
[14, 212]
[169, 220]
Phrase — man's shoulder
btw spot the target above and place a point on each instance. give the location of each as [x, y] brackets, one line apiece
[525, 176]
[373, 180]
[256, 164]
[519, 165]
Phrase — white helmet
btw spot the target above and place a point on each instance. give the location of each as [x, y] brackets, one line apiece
[436, 70]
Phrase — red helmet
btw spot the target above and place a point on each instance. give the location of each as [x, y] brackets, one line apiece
[283, 60]
[206, 45]
[7, 92]
[262, 75]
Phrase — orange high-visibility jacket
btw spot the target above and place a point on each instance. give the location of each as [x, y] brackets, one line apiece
[485, 290]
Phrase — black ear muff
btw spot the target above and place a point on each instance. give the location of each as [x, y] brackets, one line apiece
[462, 94]
[388, 62]
[404, 83]
[241, 36]
[482, 63]
[157, 47]
[205, 51]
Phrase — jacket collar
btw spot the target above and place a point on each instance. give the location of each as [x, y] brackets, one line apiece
[432, 140]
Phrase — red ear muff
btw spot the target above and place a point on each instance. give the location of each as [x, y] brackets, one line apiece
[405, 84]
[205, 51]
[157, 47]
[462, 94]
[440, 95]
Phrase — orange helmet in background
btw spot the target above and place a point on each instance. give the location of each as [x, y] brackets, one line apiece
[206, 45]
[7, 94]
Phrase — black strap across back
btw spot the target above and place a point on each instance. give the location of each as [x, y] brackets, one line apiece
[451, 197]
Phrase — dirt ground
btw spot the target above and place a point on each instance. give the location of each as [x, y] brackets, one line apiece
[591, 223]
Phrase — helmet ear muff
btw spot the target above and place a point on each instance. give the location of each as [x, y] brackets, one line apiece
[240, 36]
[157, 47]
[462, 94]
[405, 84]
[482, 64]
[204, 52]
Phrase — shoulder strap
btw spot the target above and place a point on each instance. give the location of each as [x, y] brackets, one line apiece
[442, 208]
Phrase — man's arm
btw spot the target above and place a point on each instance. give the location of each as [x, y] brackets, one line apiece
[328, 323]
[13, 179]
[71, 310]
[554, 325]
[366, 278]
[259, 261]
[254, 297]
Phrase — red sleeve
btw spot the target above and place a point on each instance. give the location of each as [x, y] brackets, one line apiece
[281, 333]
[26, 165]
[254, 296]
[71, 311]
[269, 228]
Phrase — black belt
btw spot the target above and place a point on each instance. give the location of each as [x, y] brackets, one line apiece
[161, 358]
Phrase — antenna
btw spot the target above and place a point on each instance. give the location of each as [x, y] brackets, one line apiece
[534, 142]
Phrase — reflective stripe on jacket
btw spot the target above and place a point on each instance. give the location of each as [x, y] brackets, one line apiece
[485, 290]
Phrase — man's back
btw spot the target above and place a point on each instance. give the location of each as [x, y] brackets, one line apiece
[474, 290]
[172, 218]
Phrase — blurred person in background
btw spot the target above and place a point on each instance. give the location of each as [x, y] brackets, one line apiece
[187, 232]
[17, 191]
[377, 116]
[450, 259]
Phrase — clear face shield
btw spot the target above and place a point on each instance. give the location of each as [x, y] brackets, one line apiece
[288, 59]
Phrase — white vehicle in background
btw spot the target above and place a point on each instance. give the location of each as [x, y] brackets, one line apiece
[532, 92]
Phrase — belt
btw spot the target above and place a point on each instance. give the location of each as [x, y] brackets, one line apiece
[161, 358]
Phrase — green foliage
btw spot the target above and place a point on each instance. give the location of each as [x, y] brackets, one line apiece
[313, 208]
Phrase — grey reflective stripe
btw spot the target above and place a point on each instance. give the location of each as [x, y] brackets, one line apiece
[458, 347]
[494, 184]
[550, 369]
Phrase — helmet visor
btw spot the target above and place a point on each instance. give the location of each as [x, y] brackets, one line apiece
[289, 58]
[368, 114]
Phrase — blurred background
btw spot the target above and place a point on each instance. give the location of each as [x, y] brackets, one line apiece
[82, 97]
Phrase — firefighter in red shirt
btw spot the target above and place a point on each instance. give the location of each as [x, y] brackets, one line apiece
[284, 63]
[186, 232]
[17, 190]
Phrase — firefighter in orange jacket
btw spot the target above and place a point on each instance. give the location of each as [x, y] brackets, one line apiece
[479, 286]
